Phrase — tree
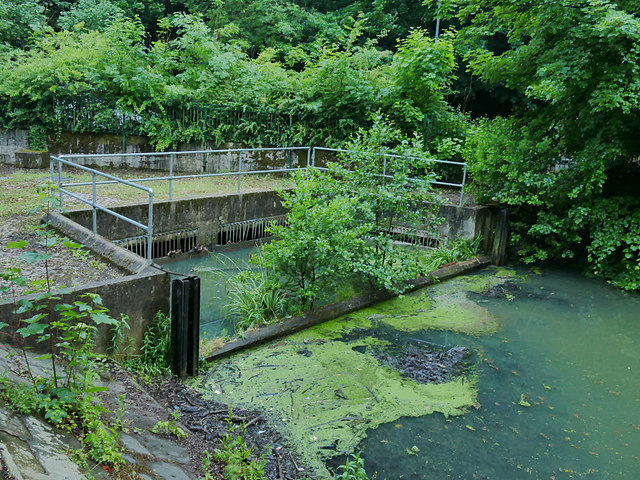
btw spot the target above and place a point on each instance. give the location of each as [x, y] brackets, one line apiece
[569, 155]
[391, 176]
[321, 241]
[19, 20]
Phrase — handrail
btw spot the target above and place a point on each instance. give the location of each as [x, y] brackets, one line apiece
[148, 229]
[463, 165]
[66, 159]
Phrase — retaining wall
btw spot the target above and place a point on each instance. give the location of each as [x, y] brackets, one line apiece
[208, 213]
[140, 295]
[14, 150]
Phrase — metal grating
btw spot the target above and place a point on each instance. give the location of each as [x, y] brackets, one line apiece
[247, 230]
[412, 236]
[163, 244]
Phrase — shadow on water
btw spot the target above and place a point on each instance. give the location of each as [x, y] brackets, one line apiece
[558, 396]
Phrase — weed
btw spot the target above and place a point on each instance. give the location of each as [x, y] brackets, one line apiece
[353, 469]
[236, 455]
[66, 398]
[170, 427]
[154, 356]
[455, 251]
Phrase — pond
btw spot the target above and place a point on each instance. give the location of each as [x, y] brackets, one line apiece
[551, 390]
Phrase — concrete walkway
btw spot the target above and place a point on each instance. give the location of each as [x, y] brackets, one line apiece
[31, 449]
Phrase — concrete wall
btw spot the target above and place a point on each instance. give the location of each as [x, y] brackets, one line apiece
[467, 222]
[207, 213]
[139, 296]
[203, 213]
[13, 142]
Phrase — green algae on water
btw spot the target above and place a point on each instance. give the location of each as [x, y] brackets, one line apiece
[443, 306]
[325, 395]
[325, 392]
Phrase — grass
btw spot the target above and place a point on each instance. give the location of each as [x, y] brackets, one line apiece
[18, 187]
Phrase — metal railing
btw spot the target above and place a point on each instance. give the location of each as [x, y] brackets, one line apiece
[148, 228]
[239, 171]
[385, 156]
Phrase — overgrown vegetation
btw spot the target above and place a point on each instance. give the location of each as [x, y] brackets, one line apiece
[154, 357]
[566, 163]
[65, 395]
[219, 72]
[240, 462]
[341, 222]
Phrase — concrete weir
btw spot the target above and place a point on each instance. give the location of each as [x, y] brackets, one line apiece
[146, 289]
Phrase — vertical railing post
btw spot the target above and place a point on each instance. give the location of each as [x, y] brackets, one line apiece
[93, 204]
[464, 179]
[384, 167]
[171, 177]
[150, 229]
[308, 156]
[60, 183]
[313, 157]
[239, 170]
[124, 140]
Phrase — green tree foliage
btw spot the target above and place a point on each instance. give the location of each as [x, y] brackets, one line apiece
[423, 71]
[570, 154]
[341, 222]
[91, 15]
[96, 65]
[19, 21]
[390, 175]
[320, 243]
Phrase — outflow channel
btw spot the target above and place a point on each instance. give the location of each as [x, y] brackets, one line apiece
[550, 389]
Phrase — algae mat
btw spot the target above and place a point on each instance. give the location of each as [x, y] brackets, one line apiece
[324, 391]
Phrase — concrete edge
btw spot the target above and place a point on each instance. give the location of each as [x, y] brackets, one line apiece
[88, 287]
[101, 246]
[7, 461]
[335, 310]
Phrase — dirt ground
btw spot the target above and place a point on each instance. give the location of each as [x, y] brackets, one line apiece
[207, 422]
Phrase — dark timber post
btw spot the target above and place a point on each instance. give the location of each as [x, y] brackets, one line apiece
[193, 326]
[185, 326]
[499, 247]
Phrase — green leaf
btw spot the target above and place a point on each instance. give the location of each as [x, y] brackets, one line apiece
[101, 318]
[83, 307]
[3, 324]
[49, 242]
[32, 257]
[95, 389]
[18, 244]
[33, 329]
[70, 244]
[44, 357]
[65, 395]
[24, 306]
[35, 318]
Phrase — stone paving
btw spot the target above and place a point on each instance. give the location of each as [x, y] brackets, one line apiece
[31, 449]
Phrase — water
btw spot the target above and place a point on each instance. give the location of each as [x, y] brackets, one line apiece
[556, 363]
[573, 351]
[215, 270]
